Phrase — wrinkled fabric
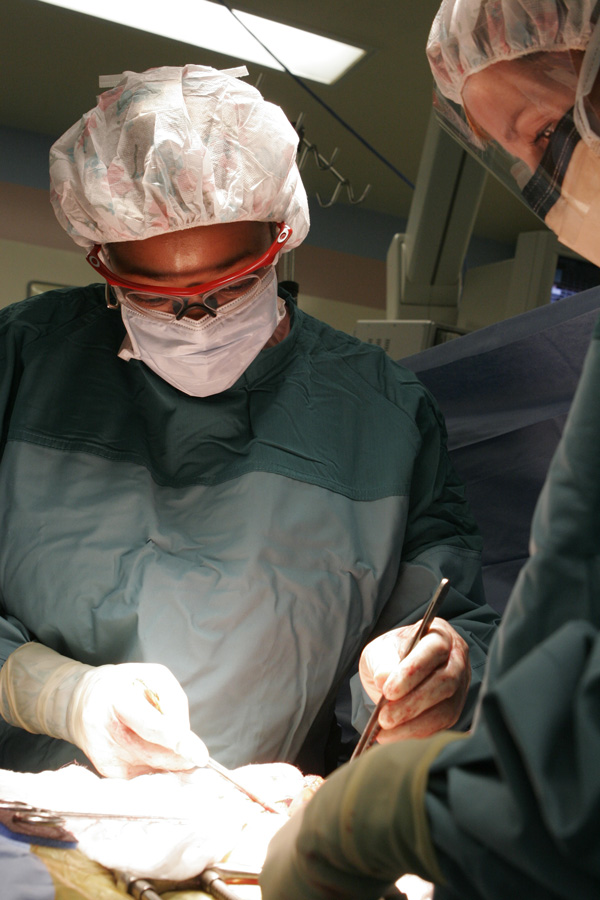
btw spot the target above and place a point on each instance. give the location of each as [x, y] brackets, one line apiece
[533, 754]
[365, 825]
[173, 148]
[180, 823]
[468, 35]
[196, 834]
[503, 431]
[252, 542]
[512, 807]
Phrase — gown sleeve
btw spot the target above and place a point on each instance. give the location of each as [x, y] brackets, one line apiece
[511, 809]
[12, 632]
[441, 541]
[532, 757]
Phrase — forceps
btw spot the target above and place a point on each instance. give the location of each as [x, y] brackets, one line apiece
[27, 814]
[372, 728]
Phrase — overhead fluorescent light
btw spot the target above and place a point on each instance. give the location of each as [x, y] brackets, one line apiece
[210, 25]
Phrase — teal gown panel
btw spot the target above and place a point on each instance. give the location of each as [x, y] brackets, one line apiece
[252, 541]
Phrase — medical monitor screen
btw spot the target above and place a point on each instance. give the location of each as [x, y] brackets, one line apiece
[573, 276]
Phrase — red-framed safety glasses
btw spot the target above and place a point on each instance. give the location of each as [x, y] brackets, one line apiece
[209, 287]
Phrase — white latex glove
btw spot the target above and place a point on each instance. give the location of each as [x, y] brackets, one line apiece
[427, 689]
[129, 719]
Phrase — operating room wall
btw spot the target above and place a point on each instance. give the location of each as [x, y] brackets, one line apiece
[340, 267]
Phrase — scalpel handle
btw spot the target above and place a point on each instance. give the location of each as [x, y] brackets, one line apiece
[372, 728]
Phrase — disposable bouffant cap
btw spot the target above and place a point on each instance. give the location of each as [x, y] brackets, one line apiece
[469, 35]
[174, 148]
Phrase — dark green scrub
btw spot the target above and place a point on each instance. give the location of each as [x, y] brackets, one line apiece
[251, 541]
[513, 809]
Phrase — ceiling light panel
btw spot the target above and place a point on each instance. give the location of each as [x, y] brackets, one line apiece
[210, 25]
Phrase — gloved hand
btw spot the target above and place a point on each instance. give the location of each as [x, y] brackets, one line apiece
[428, 688]
[365, 827]
[129, 719]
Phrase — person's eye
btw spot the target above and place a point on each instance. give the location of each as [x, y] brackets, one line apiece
[545, 133]
[233, 291]
[143, 297]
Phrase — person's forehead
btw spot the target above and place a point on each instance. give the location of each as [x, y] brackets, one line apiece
[534, 76]
[211, 248]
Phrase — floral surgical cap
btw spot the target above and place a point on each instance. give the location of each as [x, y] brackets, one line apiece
[469, 35]
[173, 148]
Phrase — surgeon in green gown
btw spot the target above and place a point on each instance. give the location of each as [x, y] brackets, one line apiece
[513, 808]
[212, 503]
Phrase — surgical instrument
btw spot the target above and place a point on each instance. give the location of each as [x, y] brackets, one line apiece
[372, 728]
[225, 773]
[135, 886]
[154, 700]
[214, 881]
[211, 881]
[27, 814]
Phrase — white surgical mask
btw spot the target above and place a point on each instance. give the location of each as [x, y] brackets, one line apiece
[205, 356]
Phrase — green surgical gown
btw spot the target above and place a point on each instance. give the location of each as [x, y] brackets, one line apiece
[514, 809]
[252, 541]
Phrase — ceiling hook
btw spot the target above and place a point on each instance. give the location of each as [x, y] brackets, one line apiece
[352, 199]
[333, 197]
[324, 164]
